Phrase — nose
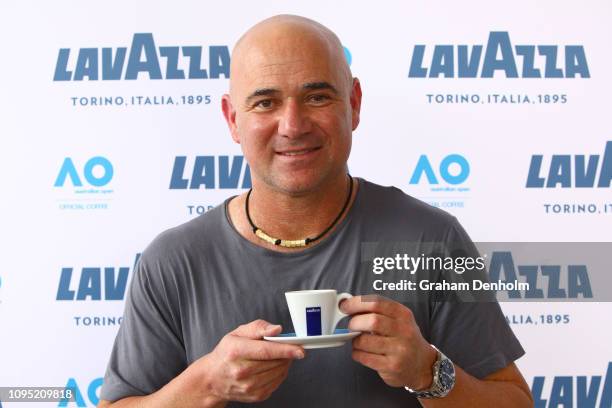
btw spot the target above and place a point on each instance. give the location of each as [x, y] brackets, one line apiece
[294, 120]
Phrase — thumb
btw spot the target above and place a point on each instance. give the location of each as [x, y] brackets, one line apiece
[257, 329]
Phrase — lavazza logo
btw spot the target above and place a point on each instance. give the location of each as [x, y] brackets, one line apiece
[499, 58]
[548, 281]
[580, 174]
[210, 173]
[84, 184]
[143, 59]
[441, 181]
[573, 390]
[94, 284]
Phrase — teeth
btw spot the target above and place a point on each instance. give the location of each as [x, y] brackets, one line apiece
[296, 153]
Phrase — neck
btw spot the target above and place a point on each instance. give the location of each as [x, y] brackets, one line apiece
[298, 216]
[291, 216]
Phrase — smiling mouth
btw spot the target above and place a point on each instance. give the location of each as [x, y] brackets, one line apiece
[298, 152]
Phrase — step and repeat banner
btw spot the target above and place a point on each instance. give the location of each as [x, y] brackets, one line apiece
[111, 131]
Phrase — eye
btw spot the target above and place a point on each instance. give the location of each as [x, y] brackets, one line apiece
[263, 104]
[318, 99]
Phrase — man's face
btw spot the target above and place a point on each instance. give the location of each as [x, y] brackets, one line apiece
[292, 109]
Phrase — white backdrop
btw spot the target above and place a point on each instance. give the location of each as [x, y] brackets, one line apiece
[53, 228]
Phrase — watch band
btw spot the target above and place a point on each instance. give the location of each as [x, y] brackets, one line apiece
[443, 378]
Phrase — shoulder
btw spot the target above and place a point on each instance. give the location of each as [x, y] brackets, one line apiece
[390, 209]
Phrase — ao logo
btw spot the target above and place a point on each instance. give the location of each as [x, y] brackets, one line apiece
[79, 398]
[90, 172]
[348, 56]
[445, 168]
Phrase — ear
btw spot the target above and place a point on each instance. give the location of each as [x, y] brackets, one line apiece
[229, 113]
[356, 102]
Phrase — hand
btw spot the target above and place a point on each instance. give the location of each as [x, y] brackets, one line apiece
[244, 368]
[391, 342]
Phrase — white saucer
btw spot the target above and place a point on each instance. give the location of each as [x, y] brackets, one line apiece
[337, 339]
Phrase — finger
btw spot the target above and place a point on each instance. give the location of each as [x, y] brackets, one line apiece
[253, 367]
[274, 382]
[262, 385]
[372, 304]
[257, 329]
[372, 343]
[373, 361]
[372, 323]
[267, 350]
[271, 376]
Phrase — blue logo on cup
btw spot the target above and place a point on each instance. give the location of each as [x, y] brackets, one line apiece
[313, 321]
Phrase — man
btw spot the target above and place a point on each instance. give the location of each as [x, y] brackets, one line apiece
[205, 293]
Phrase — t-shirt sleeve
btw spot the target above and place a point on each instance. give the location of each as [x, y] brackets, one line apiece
[473, 334]
[148, 351]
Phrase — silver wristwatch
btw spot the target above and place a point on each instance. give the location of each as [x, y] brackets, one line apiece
[443, 378]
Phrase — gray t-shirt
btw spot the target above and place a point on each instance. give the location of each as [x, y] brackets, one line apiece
[197, 282]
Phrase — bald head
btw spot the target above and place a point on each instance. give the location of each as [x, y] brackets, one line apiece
[293, 37]
[293, 105]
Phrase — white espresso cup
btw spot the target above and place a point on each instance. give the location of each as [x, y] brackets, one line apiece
[315, 312]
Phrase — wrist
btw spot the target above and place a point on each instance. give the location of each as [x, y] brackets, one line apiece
[194, 386]
[430, 355]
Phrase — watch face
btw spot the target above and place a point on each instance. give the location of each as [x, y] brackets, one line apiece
[446, 374]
